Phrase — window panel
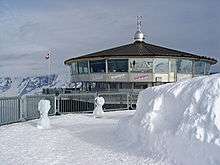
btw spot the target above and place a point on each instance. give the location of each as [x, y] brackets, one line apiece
[199, 67]
[207, 68]
[184, 66]
[161, 66]
[141, 85]
[113, 85]
[125, 85]
[141, 65]
[101, 86]
[118, 65]
[172, 65]
[97, 66]
[74, 68]
[83, 67]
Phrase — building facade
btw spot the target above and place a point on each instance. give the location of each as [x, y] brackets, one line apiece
[136, 66]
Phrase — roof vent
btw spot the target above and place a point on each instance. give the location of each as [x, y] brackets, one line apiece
[139, 36]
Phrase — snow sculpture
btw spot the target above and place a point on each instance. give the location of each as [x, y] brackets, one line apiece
[44, 107]
[98, 111]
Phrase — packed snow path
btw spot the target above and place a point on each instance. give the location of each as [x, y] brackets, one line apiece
[72, 139]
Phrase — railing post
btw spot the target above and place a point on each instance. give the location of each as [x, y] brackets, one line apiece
[24, 107]
[20, 108]
[1, 113]
[128, 100]
[55, 105]
[58, 100]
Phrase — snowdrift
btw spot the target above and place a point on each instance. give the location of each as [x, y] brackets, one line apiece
[178, 123]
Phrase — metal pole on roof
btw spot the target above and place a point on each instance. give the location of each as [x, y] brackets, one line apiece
[49, 62]
[49, 57]
[139, 22]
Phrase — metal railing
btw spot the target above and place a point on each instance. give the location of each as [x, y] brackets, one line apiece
[84, 102]
[133, 97]
[30, 106]
[77, 102]
[115, 101]
[9, 110]
[15, 109]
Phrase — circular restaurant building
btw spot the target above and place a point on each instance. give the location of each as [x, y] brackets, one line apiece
[135, 66]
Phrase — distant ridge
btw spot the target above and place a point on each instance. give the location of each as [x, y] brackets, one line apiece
[19, 86]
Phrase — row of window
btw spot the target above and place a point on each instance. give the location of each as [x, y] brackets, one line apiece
[98, 66]
[89, 86]
[141, 65]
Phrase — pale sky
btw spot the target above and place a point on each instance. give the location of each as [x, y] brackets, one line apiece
[28, 28]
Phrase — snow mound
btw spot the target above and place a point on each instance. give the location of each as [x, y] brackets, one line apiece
[178, 123]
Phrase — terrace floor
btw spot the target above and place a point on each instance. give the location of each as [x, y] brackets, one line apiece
[72, 139]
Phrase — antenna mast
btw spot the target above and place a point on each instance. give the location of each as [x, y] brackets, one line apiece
[139, 23]
[139, 36]
[50, 54]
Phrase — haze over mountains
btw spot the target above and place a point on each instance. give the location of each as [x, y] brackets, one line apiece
[19, 86]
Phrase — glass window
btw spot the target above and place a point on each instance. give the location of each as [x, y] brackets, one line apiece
[207, 68]
[141, 65]
[113, 85]
[101, 86]
[172, 65]
[199, 67]
[141, 85]
[184, 66]
[125, 86]
[118, 65]
[74, 68]
[161, 66]
[83, 67]
[97, 66]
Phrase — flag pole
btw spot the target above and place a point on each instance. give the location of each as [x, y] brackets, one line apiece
[49, 62]
[49, 59]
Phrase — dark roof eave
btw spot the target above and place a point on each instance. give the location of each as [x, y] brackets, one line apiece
[141, 49]
[212, 60]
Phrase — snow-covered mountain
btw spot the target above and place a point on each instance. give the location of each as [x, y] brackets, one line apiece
[5, 84]
[13, 86]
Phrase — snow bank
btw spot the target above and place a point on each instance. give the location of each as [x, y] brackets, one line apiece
[178, 123]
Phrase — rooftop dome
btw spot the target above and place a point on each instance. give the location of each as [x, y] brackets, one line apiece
[139, 36]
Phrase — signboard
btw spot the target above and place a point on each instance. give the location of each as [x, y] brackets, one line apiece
[141, 77]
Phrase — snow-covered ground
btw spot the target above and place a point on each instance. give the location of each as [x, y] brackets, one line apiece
[174, 124]
[73, 139]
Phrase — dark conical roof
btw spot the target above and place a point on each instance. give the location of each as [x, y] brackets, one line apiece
[140, 49]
